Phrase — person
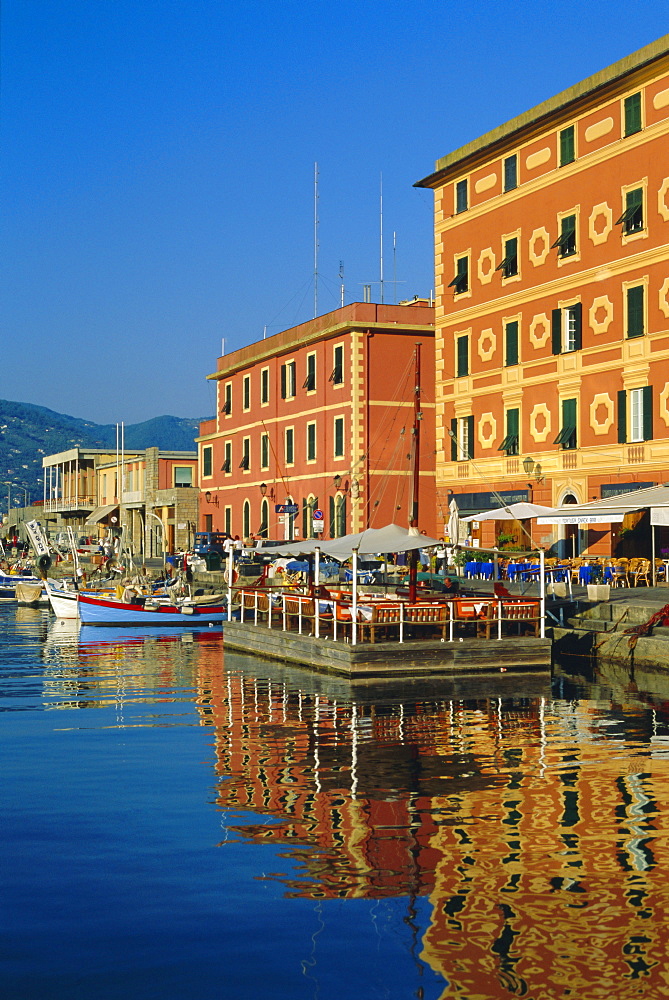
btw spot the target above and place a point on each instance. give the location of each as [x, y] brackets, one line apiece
[440, 554]
[450, 585]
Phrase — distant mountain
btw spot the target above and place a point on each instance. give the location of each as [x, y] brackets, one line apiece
[28, 433]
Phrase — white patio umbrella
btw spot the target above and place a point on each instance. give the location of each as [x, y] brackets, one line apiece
[453, 526]
[514, 512]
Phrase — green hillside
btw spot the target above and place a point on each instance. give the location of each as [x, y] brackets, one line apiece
[28, 433]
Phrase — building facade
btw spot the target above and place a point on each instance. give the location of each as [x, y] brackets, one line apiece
[552, 301]
[151, 495]
[319, 421]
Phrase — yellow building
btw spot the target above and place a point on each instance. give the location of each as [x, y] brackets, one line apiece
[552, 296]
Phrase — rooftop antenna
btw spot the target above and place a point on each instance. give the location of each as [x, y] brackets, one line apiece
[315, 240]
[394, 267]
[341, 278]
[381, 234]
[222, 346]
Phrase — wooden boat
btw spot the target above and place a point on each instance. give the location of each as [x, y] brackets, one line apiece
[149, 611]
[9, 581]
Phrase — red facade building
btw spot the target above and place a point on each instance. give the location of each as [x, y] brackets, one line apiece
[321, 418]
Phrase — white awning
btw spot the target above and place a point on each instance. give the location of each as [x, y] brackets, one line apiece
[100, 513]
[581, 519]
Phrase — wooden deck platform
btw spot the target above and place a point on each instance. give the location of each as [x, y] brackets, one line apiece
[414, 658]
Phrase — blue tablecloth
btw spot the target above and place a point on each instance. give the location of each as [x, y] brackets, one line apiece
[483, 570]
[591, 574]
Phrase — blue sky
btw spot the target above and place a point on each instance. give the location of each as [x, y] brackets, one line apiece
[157, 170]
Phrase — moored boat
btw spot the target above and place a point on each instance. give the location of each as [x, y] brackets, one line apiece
[107, 611]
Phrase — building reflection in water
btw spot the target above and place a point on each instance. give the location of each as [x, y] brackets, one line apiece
[534, 827]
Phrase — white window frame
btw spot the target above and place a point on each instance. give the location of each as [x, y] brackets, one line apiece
[636, 416]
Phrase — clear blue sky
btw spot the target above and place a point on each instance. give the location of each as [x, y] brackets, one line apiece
[157, 169]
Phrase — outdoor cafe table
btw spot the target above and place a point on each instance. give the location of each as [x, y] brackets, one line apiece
[482, 570]
[589, 574]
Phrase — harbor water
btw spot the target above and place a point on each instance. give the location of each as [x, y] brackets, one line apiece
[179, 822]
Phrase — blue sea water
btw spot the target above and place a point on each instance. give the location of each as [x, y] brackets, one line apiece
[179, 821]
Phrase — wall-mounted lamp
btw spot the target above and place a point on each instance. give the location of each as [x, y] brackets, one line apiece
[211, 499]
[533, 468]
[337, 481]
[263, 491]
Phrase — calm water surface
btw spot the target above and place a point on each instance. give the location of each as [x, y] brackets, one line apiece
[180, 822]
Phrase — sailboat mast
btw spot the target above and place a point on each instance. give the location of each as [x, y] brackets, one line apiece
[417, 417]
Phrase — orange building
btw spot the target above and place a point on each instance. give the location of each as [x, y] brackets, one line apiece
[320, 418]
[552, 300]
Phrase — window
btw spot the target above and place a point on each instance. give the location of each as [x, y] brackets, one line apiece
[246, 392]
[632, 114]
[246, 454]
[567, 436]
[566, 329]
[227, 459]
[264, 518]
[462, 355]
[311, 442]
[462, 439]
[310, 380]
[289, 445]
[632, 218]
[567, 147]
[183, 475]
[511, 343]
[288, 380]
[566, 241]
[339, 437]
[337, 516]
[309, 505]
[460, 282]
[246, 520]
[640, 415]
[635, 324]
[337, 376]
[510, 172]
[207, 460]
[227, 399]
[227, 520]
[509, 264]
[264, 451]
[510, 443]
[461, 196]
[264, 386]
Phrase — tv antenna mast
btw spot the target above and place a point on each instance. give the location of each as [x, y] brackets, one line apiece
[315, 240]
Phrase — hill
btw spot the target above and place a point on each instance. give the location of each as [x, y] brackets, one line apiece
[28, 433]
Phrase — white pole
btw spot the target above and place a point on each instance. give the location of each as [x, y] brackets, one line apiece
[317, 572]
[354, 603]
[542, 592]
[230, 567]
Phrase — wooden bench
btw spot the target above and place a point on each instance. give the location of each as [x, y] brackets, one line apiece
[385, 618]
[520, 617]
[432, 617]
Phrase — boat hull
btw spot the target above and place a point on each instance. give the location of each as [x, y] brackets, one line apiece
[97, 611]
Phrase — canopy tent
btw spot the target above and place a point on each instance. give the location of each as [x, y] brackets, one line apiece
[611, 510]
[391, 538]
[514, 512]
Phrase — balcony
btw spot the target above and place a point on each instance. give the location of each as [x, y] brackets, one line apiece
[64, 504]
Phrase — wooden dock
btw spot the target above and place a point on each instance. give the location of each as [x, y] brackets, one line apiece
[411, 659]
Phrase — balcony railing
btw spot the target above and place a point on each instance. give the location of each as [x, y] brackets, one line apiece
[69, 503]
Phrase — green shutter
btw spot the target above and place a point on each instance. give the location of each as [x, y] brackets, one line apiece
[632, 114]
[454, 439]
[332, 517]
[570, 436]
[556, 330]
[567, 154]
[635, 311]
[283, 381]
[647, 412]
[622, 416]
[470, 435]
[511, 349]
[463, 356]
[463, 275]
